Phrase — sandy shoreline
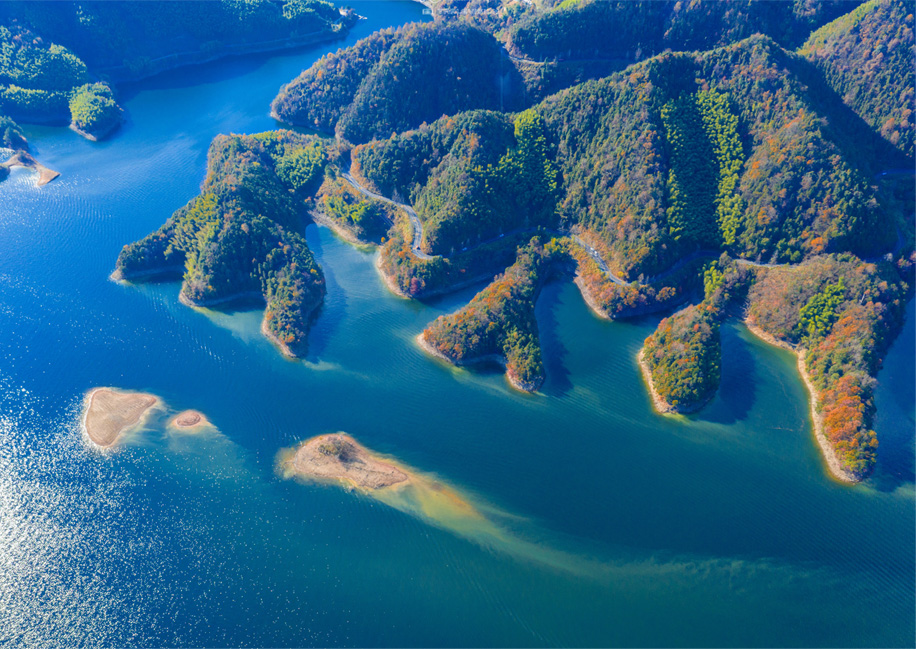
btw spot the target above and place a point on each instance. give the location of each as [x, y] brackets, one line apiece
[836, 468]
[514, 381]
[389, 281]
[229, 299]
[96, 137]
[590, 298]
[176, 271]
[323, 219]
[282, 346]
[109, 414]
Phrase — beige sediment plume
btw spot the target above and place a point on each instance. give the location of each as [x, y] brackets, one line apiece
[189, 421]
[110, 413]
[836, 468]
[339, 457]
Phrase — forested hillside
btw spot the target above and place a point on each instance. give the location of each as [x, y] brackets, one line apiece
[721, 150]
[683, 358]
[747, 175]
[644, 28]
[470, 179]
[499, 321]
[243, 235]
[867, 58]
[725, 150]
[53, 54]
[571, 43]
[44, 82]
[11, 135]
[395, 81]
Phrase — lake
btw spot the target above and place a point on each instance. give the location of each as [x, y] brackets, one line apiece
[601, 522]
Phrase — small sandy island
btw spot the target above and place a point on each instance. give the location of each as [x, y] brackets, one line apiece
[189, 420]
[25, 159]
[110, 413]
[338, 456]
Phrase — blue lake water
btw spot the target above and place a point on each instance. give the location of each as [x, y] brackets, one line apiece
[605, 524]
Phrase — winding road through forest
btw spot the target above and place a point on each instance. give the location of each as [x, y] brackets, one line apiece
[414, 219]
[417, 227]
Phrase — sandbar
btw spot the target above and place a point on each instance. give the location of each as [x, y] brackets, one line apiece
[339, 457]
[25, 159]
[189, 420]
[110, 413]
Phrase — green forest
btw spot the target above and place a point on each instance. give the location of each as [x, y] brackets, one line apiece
[684, 357]
[243, 236]
[724, 159]
[396, 80]
[866, 57]
[58, 58]
[843, 314]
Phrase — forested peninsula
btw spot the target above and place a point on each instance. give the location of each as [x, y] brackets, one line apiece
[742, 177]
[242, 237]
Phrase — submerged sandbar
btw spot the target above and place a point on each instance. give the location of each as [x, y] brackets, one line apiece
[110, 413]
[338, 456]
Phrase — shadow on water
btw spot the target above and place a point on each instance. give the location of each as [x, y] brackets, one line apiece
[334, 310]
[738, 385]
[554, 352]
[895, 422]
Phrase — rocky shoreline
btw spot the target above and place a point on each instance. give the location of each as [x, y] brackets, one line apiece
[166, 271]
[285, 349]
[220, 301]
[344, 233]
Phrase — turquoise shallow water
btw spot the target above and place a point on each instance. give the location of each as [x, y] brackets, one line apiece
[604, 523]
